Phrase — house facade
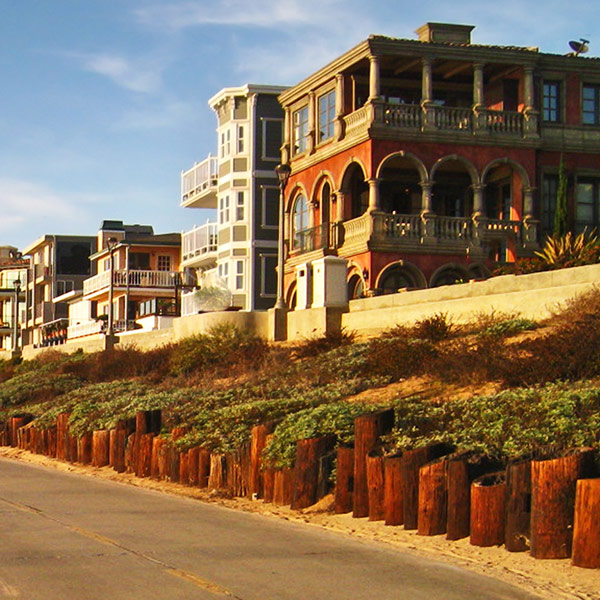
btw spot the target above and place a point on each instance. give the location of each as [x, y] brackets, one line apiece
[13, 281]
[238, 251]
[58, 265]
[144, 269]
[425, 162]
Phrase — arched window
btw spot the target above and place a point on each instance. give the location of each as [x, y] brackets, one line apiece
[300, 221]
[356, 287]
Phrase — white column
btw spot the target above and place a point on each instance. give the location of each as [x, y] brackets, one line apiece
[339, 107]
[425, 197]
[478, 95]
[373, 195]
[374, 78]
[426, 81]
[478, 208]
[528, 88]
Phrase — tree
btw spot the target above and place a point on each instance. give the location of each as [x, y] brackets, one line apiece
[561, 225]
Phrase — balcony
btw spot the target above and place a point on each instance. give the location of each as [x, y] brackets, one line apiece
[199, 184]
[438, 120]
[6, 329]
[123, 279]
[199, 246]
[383, 232]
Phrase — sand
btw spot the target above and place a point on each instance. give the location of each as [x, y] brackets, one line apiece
[548, 579]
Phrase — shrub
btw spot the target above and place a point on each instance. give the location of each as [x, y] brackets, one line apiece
[325, 343]
[569, 251]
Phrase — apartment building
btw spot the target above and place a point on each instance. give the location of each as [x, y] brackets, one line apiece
[137, 273]
[238, 250]
[424, 162]
[58, 265]
[13, 281]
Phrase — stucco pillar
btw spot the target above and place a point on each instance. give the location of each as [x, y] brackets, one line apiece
[310, 142]
[528, 202]
[528, 88]
[426, 197]
[339, 107]
[478, 94]
[374, 78]
[374, 204]
[427, 95]
[340, 200]
[478, 208]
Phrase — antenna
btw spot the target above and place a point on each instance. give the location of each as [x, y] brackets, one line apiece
[580, 47]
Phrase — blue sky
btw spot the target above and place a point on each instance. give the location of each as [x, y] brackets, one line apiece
[104, 102]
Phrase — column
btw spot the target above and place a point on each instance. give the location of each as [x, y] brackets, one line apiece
[426, 197]
[528, 202]
[285, 148]
[530, 224]
[339, 107]
[310, 142]
[373, 195]
[339, 205]
[528, 88]
[427, 215]
[427, 95]
[478, 208]
[530, 114]
[478, 96]
[374, 78]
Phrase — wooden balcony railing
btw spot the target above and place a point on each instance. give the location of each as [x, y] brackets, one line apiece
[136, 279]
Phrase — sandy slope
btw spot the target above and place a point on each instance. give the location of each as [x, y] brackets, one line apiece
[549, 579]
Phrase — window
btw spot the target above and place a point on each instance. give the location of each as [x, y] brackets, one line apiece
[240, 139]
[224, 210]
[300, 130]
[549, 192]
[239, 208]
[223, 271]
[268, 275]
[270, 207]
[587, 214]
[300, 220]
[164, 263]
[62, 287]
[326, 116]
[239, 275]
[139, 261]
[551, 102]
[271, 139]
[225, 143]
[591, 105]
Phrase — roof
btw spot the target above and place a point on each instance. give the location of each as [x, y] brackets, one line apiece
[245, 90]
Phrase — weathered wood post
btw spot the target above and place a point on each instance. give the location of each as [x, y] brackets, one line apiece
[553, 484]
[203, 467]
[62, 426]
[184, 467]
[367, 431]
[84, 450]
[344, 484]
[433, 498]
[268, 484]
[392, 494]
[412, 461]
[282, 486]
[193, 454]
[306, 469]
[518, 505]
[488, 507]
[100, 447]
[376, 486]
[218, 475]
[586, 531]
[257, 445]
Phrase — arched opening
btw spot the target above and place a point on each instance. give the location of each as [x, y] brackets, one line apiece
[449, 275]
[356, 287]
[400, 276]
[300, 223]
[478, 271]
[290, 299]
[452, 194]
[399, 189]
[356, 192]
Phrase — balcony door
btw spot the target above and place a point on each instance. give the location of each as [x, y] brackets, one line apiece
[139, 261]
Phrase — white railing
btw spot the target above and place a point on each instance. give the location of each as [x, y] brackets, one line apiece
[200, 240]
[200, 177]
[356, 119]
[189, 304]
[123, 278]
[358, 229]
[83, 329]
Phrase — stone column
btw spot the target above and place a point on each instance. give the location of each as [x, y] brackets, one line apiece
[426, 187]
[374, 78]
[478, 207]
[528, 202]
[530, 114]
[374, 202]
[339, 107]
[479, 120]
[339, 205]
[427, 95]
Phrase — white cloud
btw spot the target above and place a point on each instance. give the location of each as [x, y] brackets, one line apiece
[144, 76]
[171, 113]
[31, 206]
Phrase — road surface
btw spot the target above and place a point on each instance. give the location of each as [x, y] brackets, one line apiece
[65, 536]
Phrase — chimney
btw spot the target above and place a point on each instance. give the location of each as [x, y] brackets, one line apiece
[445, 33]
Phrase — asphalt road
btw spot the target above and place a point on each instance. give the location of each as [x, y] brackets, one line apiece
[71, 537]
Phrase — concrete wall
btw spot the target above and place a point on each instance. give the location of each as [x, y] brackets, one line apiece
[257, 322]
[534, 296]
[91, 343]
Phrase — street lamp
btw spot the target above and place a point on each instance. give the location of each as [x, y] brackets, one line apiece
[111, 244]
[15, 348]
[283, 174]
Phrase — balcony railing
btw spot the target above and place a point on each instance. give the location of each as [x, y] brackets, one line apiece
[454, 228]
[199, 182]
[402, 226]
[403, 115]
[504, 121]
[199, 242]
[133, 279]
[83, 329]
[311, 239]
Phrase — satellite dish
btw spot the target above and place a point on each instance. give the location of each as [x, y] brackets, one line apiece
[580, 47]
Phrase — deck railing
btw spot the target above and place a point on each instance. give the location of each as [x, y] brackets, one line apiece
[123, 278]
[200, 240]
[200, 177]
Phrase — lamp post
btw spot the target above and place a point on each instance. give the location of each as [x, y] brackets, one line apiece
[111, 244]
[15, 348]
[283, 174]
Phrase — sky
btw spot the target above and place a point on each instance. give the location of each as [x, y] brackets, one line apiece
[104, 102]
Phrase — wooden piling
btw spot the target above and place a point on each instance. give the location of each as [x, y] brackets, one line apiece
[84, 449]
[433, 498]
[344, 484]
[586, 530]
[100, 447]
[258, 442]
[375, 486]
[367, 431]
[392, 494]
[282, 487]
[488, 506]
[518, 505]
